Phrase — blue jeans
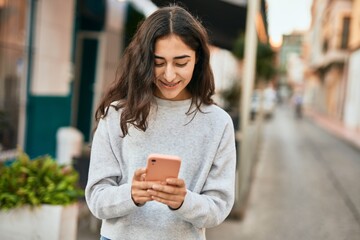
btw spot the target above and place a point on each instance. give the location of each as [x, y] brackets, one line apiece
[104, 238]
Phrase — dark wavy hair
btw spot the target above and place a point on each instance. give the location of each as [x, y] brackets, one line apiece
[134, 86]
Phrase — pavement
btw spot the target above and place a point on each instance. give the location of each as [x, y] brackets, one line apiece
[352, 136]
[88, 226]
[85, 228]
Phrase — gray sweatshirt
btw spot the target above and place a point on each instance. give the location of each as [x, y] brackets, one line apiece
[206, 145]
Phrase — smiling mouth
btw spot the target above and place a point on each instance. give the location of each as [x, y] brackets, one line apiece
[169, 85]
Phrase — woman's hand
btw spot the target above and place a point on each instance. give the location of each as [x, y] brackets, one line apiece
[139, 187]
[171, 193]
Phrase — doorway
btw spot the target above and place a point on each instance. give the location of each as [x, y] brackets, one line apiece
[87, 53]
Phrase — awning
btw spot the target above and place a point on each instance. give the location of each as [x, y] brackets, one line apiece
[225, 20]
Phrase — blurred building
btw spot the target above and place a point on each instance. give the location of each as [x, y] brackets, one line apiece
[352, 99]
[13, 61]
[226, 69]
[328, 53]
[57, 56]
[291, 63]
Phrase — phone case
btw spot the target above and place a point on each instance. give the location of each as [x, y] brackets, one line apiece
[160, 167]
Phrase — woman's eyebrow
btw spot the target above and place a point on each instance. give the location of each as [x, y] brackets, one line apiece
[177, 57]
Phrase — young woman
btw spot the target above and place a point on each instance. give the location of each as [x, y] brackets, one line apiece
[161, 103]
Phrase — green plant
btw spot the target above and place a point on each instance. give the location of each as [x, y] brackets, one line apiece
[38, 181]
[265, 55]
[232, 97]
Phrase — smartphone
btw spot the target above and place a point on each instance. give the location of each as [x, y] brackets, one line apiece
[160, 167]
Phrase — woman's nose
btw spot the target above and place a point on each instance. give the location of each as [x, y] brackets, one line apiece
[169, 73]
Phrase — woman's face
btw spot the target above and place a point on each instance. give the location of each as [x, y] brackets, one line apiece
[174, 67]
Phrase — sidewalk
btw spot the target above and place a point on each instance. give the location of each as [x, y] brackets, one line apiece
[88, 226]
[335, 127]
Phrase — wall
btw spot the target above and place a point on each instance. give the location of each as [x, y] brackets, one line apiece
[49, 90]
[13, 62]
[352, 110]
[355, 25]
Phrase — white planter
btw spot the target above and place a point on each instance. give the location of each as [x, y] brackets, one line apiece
[50, 222]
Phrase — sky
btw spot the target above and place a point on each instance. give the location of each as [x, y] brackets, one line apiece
[286, 16]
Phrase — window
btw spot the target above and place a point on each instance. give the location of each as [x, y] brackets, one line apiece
[325, 46]
[13, 18]
[345, 33]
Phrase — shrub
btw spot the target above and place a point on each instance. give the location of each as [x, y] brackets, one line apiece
[38, 181]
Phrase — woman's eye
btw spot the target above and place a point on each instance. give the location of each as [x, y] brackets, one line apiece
[181, 64]
[159, 64]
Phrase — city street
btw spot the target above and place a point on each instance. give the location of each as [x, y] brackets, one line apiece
[306, 186]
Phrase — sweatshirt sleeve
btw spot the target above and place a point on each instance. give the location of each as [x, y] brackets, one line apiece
[104, 196]
[215, 201]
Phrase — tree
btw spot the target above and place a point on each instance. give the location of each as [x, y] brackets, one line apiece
[265, 69]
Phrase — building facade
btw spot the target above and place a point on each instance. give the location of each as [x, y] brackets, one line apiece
[291, 64]
[55, 58]
[14, 22]
[328, 40]
[352, 101]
